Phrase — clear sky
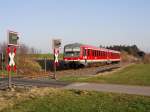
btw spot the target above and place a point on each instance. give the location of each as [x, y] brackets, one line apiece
[94, 22]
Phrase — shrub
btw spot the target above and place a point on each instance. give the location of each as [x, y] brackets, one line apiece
[146, 58]
[125, 57]
[27, 65]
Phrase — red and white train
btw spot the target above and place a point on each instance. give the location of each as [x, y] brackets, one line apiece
[84, 54]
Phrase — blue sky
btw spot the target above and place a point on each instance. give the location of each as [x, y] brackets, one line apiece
[94, 22]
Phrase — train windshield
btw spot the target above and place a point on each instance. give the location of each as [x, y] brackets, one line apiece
[73, 52]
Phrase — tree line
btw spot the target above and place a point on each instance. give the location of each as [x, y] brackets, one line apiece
[130, 49]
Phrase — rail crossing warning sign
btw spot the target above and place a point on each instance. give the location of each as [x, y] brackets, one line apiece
[12, 38]
[56, 43]
[11, 52]
[56, 53]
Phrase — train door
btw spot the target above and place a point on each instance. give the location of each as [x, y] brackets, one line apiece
[108, 57]
[85, 55]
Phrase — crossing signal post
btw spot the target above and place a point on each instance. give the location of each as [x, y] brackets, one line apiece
[11, 53]
[56, 46]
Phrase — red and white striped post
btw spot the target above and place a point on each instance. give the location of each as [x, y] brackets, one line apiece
[11, 52]
[56, 63]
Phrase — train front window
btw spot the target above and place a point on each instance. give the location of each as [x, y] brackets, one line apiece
[73, 52]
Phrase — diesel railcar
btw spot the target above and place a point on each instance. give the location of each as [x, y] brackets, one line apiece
[81, 54]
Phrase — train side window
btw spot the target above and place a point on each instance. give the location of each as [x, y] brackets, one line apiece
[84, 52]
[103, 53]
[96, 53]
[92, 52]
[88, 52]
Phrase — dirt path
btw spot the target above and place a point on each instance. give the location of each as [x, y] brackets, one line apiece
[137, 90]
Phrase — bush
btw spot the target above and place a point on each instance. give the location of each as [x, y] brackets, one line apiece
[125, 57]
[27, 66]
[146, 58]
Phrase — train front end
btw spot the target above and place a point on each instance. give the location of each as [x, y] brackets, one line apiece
[72, 54]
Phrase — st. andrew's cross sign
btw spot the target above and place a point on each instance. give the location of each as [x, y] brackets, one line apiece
[11, 55]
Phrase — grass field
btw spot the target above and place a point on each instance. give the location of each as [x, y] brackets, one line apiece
[48, 56]
[137, 74]
[56, 100]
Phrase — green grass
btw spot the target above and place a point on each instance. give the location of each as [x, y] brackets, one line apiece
[137, 74]
[4, 72]
[82, 101]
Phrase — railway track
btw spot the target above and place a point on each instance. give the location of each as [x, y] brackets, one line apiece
[89, 71]
[39, 81]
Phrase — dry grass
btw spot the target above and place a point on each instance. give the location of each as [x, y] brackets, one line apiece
[146, 58]
[10, 98]
[57, 100]
[136, 74]
[126, 58]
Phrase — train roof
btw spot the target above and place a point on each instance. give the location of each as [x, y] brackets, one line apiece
[73, 45]
[90, 47]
